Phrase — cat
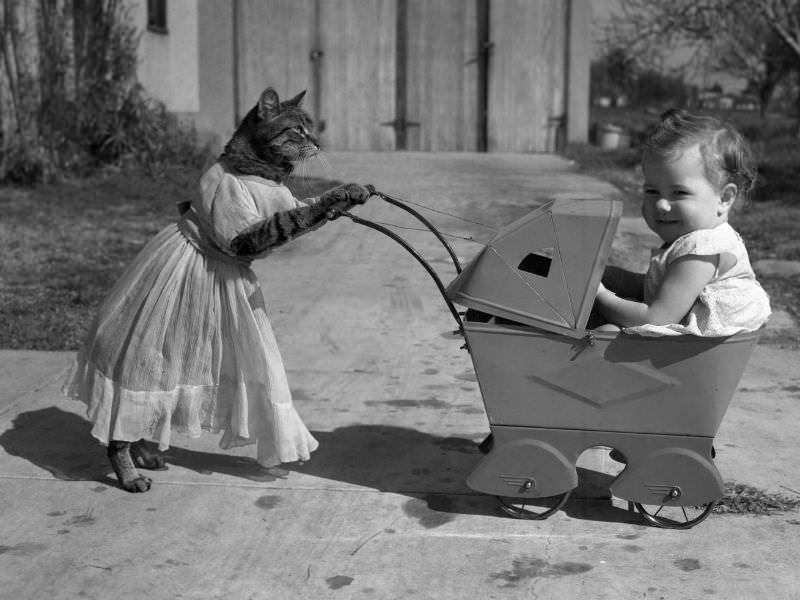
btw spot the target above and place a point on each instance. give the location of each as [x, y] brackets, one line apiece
[271, 138]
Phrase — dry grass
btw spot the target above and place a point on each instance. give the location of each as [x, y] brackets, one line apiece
[64, 245]
[744, 499]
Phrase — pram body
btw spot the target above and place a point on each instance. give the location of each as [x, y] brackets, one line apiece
[553, 388]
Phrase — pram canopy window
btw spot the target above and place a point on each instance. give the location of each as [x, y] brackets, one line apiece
[537, 264]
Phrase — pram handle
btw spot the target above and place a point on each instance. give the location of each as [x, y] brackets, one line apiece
[415, 254]
[423, 220]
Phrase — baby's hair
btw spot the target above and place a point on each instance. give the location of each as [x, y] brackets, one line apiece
[726, 154]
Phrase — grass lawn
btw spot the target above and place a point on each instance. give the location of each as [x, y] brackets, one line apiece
[64, 245]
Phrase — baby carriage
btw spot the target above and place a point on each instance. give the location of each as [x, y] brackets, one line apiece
[552, 387]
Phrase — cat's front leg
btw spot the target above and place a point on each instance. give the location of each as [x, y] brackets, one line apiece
[284, 226]
[120, 457]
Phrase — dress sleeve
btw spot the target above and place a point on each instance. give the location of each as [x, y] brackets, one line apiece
[229, 204]
[705, 242]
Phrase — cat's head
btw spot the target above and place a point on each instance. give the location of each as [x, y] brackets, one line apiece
[271, 138]
[281, 131]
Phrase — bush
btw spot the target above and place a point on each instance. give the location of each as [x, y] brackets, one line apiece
[80, 108]
[127, 127]
[24, 164]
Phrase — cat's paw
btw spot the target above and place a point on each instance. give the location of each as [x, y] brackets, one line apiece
[359, 194]
[348, 194]
[138, 485]
[129, 479]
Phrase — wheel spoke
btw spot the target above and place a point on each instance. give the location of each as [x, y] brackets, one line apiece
[674, 517]
[523, 508]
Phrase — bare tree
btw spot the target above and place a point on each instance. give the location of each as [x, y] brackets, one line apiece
[783, 17]
[757, 40]
[69, 98]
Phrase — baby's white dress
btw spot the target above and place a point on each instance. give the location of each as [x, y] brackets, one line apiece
[183, 340]
[732, 302]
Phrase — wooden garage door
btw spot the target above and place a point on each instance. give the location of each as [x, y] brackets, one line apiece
[274, 39]
[357, 73]
[442, 73]
[341, 51]
[526, 74]
[439, 75]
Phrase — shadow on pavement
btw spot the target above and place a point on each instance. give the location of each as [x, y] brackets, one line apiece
[57, 441]
[431, 470]
[60, 442]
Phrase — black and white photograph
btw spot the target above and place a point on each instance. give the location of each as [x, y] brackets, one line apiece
[399, 299]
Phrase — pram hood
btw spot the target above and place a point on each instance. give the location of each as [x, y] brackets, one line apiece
[543, 269]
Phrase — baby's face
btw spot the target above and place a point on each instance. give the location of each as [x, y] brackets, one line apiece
[678, 198]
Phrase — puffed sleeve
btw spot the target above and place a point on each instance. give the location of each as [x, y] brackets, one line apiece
[706, 242]
[229, 204]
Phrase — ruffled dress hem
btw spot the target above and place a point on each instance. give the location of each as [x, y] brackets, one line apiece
[118, 414]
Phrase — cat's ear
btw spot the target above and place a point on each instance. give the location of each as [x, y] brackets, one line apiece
[297, 100]
[268, 103]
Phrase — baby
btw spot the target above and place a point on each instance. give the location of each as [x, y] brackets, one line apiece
[700, 280]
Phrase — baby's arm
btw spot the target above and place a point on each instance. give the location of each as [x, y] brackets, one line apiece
[684, 280]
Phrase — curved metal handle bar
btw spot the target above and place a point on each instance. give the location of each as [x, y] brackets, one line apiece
[416, 255]
[424, 221]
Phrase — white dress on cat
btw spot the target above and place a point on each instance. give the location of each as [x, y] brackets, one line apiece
[183, 340]
[732, 302]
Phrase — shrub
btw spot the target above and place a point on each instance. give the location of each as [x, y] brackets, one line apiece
[79, 107]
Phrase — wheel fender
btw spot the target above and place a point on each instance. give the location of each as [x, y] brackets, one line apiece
[669, 476]
[523, 468]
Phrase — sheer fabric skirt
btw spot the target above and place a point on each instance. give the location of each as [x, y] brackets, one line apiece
[183, 341]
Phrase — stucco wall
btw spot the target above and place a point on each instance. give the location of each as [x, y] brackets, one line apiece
[216, 121]
[168, 63]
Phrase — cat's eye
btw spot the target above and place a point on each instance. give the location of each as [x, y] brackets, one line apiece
[297, 130]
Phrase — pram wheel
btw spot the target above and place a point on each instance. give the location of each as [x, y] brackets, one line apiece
[675, 517]
[524, 508]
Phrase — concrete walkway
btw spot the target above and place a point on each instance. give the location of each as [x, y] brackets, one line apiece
[382, 510]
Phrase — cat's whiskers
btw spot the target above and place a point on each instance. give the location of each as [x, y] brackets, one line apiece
[326, 165]
[304, 170]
